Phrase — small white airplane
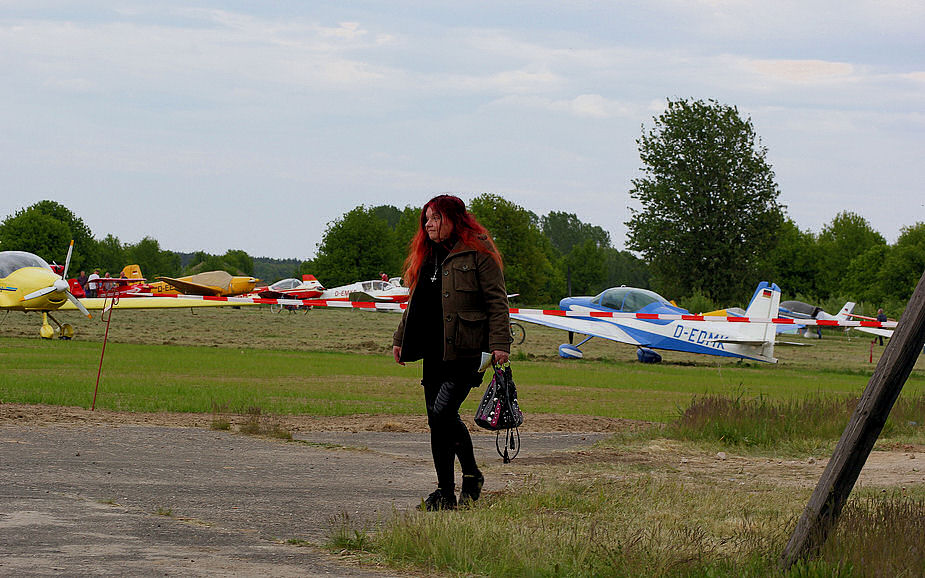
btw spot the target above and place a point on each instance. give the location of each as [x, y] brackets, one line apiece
[28, 283]
[375, 291]
[649, 321]
[800, 310]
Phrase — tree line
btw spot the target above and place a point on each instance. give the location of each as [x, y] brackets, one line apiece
[708, 229]
[543, 256]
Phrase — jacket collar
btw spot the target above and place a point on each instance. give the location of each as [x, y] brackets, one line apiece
[461, 247]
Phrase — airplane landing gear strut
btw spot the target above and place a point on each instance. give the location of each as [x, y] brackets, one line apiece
[65, 331]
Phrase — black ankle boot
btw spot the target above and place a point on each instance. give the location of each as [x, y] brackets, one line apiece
[471, 488]
[440, 499]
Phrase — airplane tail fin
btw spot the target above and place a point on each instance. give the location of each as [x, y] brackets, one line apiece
[765, 303]
[845, 312]
[310, 281]
[132, 272]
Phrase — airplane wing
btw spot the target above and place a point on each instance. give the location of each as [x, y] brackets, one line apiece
[875, 331]
[191, 288]
[364, 297]
[585, 326]
[98, 303]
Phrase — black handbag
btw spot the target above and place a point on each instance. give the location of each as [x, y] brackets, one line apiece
[499, 411]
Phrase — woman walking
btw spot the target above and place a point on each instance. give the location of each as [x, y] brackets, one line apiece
[458, 308]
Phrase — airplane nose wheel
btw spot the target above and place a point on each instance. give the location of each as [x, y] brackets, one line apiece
[65, 331]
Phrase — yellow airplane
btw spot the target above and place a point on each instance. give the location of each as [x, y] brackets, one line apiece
[216, 283]
[28, 283]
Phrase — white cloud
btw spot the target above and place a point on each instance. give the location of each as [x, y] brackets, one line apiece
[804, 71]
[325, 106]
[584, 105]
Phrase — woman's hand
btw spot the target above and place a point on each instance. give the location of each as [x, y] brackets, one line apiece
[396, 353]
[500, 357]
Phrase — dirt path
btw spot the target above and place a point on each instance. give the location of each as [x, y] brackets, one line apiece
[109, 493]
[20, 414]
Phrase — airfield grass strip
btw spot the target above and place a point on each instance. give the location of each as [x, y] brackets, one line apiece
[196, 378]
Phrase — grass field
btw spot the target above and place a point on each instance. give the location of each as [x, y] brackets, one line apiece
[657, 503]
[336, 362]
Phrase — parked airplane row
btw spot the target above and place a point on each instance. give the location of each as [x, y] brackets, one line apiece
[223, 284]
[629, 315]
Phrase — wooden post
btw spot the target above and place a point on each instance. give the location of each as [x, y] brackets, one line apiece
[862, 431]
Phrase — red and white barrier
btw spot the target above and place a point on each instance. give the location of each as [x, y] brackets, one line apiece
[711, 318]
[551, 312]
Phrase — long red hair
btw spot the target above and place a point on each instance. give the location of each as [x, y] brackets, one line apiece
[465, 228]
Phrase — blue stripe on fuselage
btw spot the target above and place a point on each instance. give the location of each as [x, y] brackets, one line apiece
[690, 339]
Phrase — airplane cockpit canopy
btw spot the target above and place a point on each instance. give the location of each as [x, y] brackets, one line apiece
[13, 260]
[284, 284]
[376, 286]
[628, 299]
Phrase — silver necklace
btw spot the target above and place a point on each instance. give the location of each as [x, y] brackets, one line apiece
[436, 268]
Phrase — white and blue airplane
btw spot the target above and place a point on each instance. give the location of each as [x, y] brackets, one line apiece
[649, 321]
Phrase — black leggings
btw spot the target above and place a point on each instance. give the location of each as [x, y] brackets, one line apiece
[446, 385]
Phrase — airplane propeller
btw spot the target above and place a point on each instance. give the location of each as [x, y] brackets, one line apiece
[61, 286]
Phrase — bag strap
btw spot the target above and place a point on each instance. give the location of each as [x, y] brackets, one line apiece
[511, 446]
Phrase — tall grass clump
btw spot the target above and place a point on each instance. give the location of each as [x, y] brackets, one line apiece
[879, 537]
[799, 424]
[645, 526]
[600, 527]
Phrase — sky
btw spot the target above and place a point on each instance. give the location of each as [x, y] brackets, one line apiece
[253, 125]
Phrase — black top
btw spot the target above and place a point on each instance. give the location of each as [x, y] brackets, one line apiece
[429, 304]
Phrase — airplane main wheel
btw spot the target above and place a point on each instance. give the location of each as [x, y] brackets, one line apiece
[67, 331]
[47, 332]
[568, 351]
[646, 355]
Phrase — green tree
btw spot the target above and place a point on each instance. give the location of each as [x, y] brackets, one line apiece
[709, 208]
[841, 241]
[527, 253]
[624, 268]
[202, 261]
[37, 233]
[408, 224]
[862, 280]
[272, 270]
[795, 264]
[566, 230]
[387, 213]
[153, 261]
[587, 264]
[46, 229]
[903, 265]
[240, 261]
[110, 256]
[357, 246]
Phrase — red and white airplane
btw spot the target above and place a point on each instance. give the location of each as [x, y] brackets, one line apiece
[307, 288]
